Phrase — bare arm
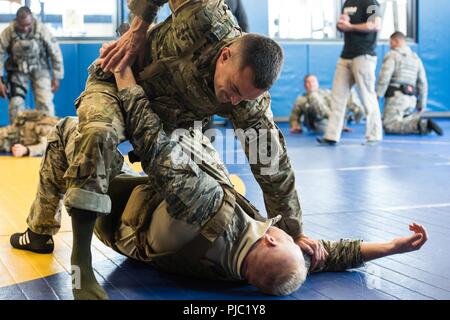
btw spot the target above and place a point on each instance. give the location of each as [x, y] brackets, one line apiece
[373, 25]
[371, 251]
[122, 52]
[348, 254]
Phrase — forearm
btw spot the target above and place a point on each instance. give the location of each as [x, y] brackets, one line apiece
[37, 150]
[280, 194]
[294, 119]
[367, 27]
[145, 10]
[265, 148]
[371, 251]
[56, 57]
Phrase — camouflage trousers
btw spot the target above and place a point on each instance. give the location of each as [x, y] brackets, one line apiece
[8, 137]
[399, 115]
[41, 85]
[80, 160]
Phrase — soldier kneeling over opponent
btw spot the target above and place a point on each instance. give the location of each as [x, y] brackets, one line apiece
[219, 235]
[185, 218]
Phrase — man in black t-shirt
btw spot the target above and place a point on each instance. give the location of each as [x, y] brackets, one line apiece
[360, 21]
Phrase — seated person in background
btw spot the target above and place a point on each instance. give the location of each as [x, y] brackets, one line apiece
[27, 136]
[156, 221]
[314, 107]
[403, 82]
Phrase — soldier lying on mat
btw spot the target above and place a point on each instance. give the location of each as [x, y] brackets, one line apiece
[27, 136]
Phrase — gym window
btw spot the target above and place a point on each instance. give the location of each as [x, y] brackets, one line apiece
[316, 19]
[69, 18]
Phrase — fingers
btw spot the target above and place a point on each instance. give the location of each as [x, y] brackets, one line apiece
[420, 236]
[418, 228]
[317, 254]
[107, 47]
[417, 241]
[305, 247]
[126, 61]
[110, 58]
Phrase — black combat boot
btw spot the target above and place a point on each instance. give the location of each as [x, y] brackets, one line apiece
[324, 141]
[31, 241]
[433, 126]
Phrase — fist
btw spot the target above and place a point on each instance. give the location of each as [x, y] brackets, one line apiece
[19, 150]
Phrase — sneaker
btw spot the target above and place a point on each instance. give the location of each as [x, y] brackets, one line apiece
[324, 141]
[371, 143]
[32, 241]
[433, 126]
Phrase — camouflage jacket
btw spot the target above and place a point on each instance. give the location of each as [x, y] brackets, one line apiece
[319, 100]
[30, 129]
[32, 51]
[180, 58]
[219, 232]
[403, 66]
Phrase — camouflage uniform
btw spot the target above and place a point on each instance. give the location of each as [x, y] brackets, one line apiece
[178, 80]
[314, 107]
[28, 59]
[401, 66]
[30, 129]
[67, 156]
[165, 221]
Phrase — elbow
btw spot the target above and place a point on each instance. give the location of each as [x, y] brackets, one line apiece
[377, 25]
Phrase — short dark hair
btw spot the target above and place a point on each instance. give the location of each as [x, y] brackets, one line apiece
[264, 56]
[398, 35]
[308, 76]
[23, 12]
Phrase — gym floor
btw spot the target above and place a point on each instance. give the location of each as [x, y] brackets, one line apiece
[349, 191]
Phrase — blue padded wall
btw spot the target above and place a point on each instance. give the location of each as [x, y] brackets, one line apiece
[77, 57]
[301, 58]
[434, 48]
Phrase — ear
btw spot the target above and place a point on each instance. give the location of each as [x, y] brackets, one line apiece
[270, 240]
[225, 54]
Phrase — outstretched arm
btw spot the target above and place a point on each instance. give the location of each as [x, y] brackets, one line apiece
[347, 254]
[371, 251]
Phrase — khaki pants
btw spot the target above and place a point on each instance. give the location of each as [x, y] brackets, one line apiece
[359, 71]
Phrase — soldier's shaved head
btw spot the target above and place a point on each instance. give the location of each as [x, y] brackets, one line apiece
[397, 39]
[275, 264]
[398, 35]
[24, 20]
[23, 12]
